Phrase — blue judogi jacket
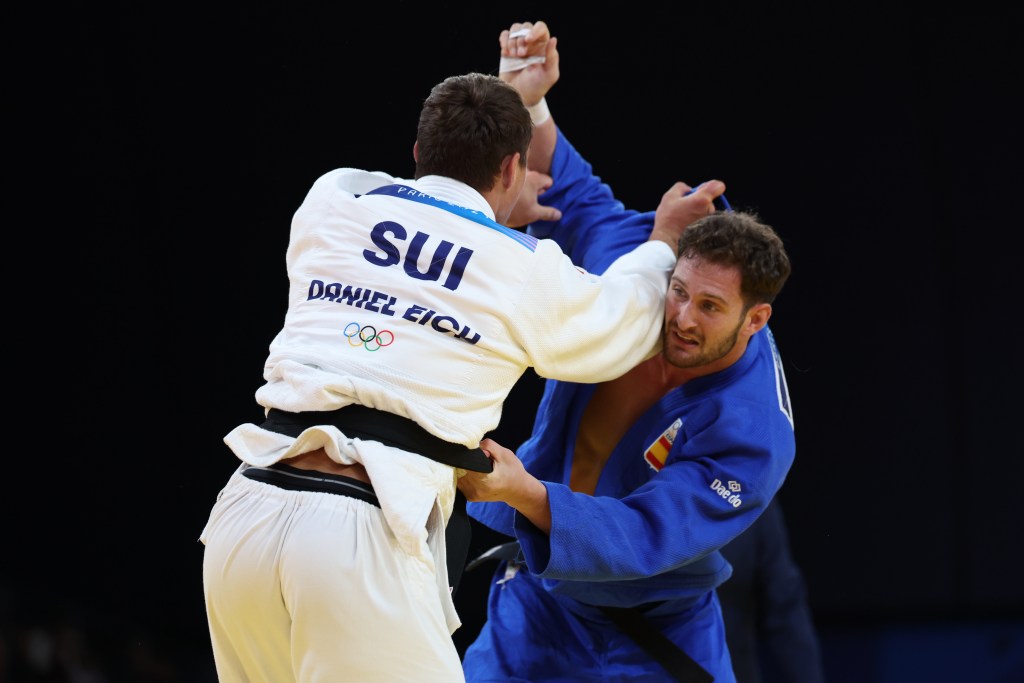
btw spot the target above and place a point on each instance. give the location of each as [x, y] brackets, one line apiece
[689, 476]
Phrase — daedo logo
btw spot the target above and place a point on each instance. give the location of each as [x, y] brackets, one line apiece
[730, 493]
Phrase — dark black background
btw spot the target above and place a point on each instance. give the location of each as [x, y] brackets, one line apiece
[884, 146]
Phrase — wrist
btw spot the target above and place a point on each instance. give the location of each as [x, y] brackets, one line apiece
[539, 112]
[669, 237]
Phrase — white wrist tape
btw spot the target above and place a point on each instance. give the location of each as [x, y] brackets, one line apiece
[516, 63]
[539, 113]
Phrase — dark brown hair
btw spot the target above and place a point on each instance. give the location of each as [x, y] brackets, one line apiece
[468, 124]
[739, 239]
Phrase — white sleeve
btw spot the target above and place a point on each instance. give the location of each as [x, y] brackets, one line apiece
[642, 259]
[581, 327]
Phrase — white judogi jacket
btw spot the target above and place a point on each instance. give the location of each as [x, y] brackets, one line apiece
[407, 296]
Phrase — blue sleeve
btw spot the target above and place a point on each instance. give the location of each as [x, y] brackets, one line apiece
[595, 227]
[664, 530]
[496, 516]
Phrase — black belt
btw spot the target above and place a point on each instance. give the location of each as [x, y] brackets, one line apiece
[295, 479]
[378, 425]
[401, 432]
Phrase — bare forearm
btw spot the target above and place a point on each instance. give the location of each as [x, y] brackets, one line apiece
[542, 147]
[509, 483]
[669, 237]
[529, 62]
[533, 504]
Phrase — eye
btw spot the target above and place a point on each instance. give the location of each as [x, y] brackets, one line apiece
[708, 306]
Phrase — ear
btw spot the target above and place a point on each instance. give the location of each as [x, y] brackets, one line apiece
[510, 170]
[757, 318]
[416, 151]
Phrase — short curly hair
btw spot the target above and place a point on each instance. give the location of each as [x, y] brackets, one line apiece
[739, 239]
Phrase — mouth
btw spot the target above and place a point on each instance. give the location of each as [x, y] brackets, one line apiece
[686, 341]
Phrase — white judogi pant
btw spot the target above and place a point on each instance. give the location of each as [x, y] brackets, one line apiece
[303, 585]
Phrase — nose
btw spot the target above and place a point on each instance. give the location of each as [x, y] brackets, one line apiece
[679, 316]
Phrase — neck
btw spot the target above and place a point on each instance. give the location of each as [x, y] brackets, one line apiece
[663, 374]
[497, 201]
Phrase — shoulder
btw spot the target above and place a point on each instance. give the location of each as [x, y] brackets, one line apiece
[353, 180]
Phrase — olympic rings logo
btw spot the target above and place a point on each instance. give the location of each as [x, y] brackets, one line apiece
[368, 337]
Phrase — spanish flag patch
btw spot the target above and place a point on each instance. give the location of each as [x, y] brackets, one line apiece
[657, 452]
